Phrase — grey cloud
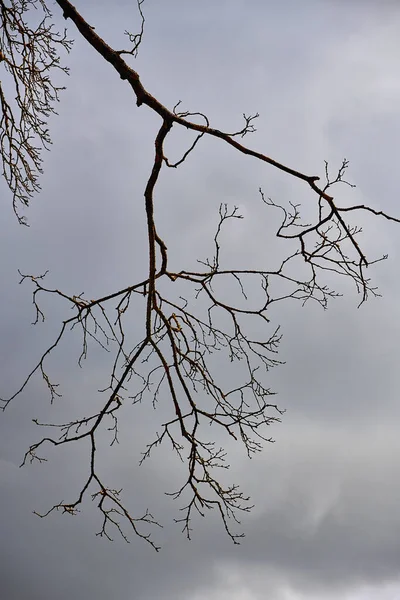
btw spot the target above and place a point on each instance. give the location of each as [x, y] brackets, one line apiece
[326, 493]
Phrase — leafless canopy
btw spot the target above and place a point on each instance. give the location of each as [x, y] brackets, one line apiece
[181, 335]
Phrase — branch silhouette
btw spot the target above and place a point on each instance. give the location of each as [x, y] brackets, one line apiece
[181, 335]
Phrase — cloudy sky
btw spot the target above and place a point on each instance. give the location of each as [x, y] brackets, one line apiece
[325, 77]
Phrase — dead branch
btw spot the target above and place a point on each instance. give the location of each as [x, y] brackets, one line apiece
[181, 335]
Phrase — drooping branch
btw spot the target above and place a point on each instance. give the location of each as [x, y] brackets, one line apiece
[29, 55]
[175, 351]
[179, 346]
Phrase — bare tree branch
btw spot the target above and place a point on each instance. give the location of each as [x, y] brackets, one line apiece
[28, 54]
[181, 336]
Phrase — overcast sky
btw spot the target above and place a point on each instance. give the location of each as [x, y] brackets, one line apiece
[325, 78]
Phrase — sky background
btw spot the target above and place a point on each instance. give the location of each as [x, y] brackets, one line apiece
[325, 78]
